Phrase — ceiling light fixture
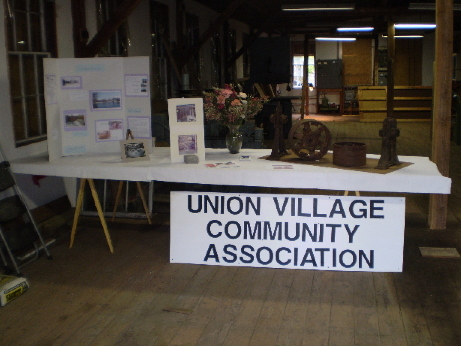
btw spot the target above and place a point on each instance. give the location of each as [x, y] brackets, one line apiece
[415, 26]
[357, 29]
[326, 7]
[405, 36]
[335, 39]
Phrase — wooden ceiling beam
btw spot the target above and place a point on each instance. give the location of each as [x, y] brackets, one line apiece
[121, 13]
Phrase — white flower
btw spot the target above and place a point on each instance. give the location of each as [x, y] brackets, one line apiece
[243, 95]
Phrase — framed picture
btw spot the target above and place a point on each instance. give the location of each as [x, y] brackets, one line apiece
[135, 150]
[187, 135]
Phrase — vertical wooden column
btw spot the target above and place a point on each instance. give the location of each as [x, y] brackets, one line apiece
[442, 107]
[305, 92]
[79, 31]
[390, 67]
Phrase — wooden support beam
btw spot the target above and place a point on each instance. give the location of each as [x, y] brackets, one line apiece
[245, 47]
[214, 27]
[79, 31]
[442, 107]
[390, 67]
[305, 91]
[121, 13]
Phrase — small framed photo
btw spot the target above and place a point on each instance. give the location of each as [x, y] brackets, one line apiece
[185, 112]
[135, 150]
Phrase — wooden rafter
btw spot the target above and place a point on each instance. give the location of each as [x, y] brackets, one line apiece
[121, 13]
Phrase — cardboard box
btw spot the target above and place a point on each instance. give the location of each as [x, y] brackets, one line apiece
[11, 287]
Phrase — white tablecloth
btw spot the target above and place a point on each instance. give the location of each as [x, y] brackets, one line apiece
[422, 176]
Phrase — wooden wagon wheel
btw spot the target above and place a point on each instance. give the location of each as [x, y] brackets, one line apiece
[309, 139]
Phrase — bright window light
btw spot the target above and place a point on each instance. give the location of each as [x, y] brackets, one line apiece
[335, 39]
[357, 29]
[415, 26]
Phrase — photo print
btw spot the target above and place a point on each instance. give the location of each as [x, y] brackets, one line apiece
[109, 130]
[75, 120]
[106, 99]
[186, 113]
[71, 82]
[187, 144]
[135, 150]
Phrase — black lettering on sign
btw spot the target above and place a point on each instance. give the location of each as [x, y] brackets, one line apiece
[211, 253]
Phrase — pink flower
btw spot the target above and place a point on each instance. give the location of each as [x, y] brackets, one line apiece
[236, 102]
[221, 99]
[226, 93]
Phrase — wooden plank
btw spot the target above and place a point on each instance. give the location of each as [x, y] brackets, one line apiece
[442, 107]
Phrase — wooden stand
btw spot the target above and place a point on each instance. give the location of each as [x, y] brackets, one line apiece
[78, 208]
[143, 199]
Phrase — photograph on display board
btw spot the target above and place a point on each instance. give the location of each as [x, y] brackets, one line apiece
[71, 82]
[75, 120]
[105, 99]
[187, 144]
[186, 113]
[109, 130]
[135, 150]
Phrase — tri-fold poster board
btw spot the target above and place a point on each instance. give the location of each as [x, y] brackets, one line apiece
[91, 102]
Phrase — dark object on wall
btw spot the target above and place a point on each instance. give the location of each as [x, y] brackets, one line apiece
[309, 139]
[270, 60]
[389, 133]
[350, 154]
[329, 74]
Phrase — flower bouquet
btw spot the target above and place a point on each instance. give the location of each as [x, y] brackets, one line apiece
[229, 107]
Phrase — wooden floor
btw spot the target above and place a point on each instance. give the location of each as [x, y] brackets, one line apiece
[88, 296]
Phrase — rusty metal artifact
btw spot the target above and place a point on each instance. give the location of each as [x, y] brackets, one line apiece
[309, 139]
[389, 133]
[278, 147]
[350, 154]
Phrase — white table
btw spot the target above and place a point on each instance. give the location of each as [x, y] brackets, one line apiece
[422, 176]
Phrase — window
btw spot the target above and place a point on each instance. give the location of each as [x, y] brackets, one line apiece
[118, 42]
[298, 65]
[159, 34]
[30, 39]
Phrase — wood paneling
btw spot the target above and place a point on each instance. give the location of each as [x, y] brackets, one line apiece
[358, 62]
[408, 62]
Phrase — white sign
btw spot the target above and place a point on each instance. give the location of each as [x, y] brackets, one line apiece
[288, 231]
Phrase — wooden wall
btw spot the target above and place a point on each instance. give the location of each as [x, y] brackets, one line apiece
[358, 62]
[408, 62]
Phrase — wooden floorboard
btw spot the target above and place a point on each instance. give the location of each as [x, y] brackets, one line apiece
[89, 296]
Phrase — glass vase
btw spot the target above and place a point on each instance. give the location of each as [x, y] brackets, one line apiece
[234, 139]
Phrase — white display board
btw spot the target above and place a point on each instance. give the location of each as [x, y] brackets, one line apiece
[288, 231]
[91, 102]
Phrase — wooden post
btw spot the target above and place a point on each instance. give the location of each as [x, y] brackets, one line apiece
[305, 92]
[390, 67]
[442, 107]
